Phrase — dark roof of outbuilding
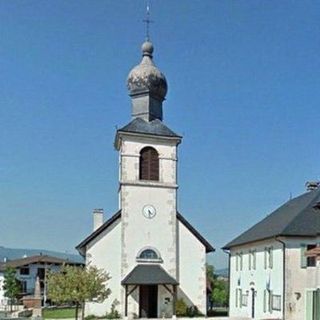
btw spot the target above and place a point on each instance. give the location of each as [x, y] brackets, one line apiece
[36, 259]
[148, 274]
[80, 247]
[298, 217]
[154, 127]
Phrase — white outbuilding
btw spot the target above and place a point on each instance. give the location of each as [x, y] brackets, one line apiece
[271, 274]
[152, 253]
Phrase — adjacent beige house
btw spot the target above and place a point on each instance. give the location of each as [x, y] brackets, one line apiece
[152, 253]
[271, 276]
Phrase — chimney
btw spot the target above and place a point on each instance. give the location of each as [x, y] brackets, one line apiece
[97, 218]
[312, 185]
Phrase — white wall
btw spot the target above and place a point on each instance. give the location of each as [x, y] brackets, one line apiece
[104, 253]
[256, 279]
[192, 269]
[298, 280]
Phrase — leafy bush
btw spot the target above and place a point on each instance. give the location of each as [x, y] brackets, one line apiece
[181, 308]
[113, 314]
[193, 311]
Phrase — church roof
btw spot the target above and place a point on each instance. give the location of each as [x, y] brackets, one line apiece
[148, 274]
[299, 217]
[81, 247]
[209, 247]
[154, 127]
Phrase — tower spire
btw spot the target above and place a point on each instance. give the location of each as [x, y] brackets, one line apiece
[147, 21]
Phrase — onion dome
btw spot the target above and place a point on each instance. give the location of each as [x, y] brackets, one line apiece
[146, 77]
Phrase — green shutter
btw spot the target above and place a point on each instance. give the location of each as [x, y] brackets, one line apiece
[317, 293]
[309, 305]
[265, 258]
[237, 262]
[265, 301]
[303, 259]
[271, 257]
[241, 261]
[237, 298]
[270, 300]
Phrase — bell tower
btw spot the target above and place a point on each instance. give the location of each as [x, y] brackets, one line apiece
[148, 174]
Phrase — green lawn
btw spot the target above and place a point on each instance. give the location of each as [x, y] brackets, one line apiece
[59, 313]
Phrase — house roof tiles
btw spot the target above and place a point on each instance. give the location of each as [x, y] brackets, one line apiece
[297, 217]
[154, 127]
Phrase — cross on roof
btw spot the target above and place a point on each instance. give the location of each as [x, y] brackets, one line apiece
[147, 21]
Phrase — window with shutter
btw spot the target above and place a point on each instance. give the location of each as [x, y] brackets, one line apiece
[149, 164]
[311, 261]
[303, 258]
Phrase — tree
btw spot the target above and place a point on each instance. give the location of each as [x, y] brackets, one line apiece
[77, 285]
[11, 285]
[219, 294]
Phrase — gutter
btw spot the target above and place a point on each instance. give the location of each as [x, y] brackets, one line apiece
[229, 282]
[284, 277]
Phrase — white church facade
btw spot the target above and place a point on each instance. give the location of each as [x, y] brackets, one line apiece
[152, 253]
[271, 274]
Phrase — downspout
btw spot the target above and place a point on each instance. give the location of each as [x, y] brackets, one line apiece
[229, 282]
[284, 277]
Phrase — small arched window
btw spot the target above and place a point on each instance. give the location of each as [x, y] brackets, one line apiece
[149, 164]
[148, 254]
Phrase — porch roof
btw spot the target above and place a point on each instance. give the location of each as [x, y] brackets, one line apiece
[148, 274]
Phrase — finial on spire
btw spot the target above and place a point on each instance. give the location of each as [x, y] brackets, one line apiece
[147, 21]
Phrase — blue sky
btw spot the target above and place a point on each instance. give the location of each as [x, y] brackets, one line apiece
[244, 91]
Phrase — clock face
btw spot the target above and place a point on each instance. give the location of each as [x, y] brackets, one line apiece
[149, 211]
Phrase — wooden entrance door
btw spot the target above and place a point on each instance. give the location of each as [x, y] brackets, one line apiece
[148, 301]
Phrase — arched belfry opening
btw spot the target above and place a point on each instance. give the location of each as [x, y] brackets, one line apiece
[149, 164]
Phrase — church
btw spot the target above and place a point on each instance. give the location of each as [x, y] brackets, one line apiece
[152, 253]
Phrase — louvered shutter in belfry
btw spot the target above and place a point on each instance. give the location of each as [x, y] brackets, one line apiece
[149, 164]
[144, 170]
[154, 165]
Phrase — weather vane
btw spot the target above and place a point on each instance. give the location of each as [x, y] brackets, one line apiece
[147, 21]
